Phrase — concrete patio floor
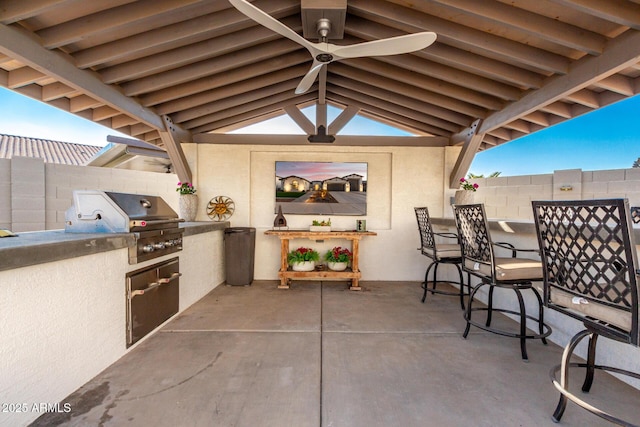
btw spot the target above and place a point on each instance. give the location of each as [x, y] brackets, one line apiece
[321, 355]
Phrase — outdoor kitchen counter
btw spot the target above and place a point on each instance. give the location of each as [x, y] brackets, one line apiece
[38, 247]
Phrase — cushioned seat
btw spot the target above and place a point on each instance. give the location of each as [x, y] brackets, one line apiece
[444, 250]
[581, 307]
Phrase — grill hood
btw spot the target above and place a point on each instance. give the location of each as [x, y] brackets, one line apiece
[96, 211]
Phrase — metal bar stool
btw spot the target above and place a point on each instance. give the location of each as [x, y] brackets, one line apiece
[516, 274]
[591, 274]
[439, 253]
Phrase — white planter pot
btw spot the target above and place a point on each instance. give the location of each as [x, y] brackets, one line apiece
[464, 197]
[325, 228]
[337, 266]
[188, 206]
[303, 266]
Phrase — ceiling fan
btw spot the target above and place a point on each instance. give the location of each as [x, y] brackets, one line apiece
[324, 53]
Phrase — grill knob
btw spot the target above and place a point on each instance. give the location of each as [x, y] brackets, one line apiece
[168, 243]
[147, 249]
[159, 245]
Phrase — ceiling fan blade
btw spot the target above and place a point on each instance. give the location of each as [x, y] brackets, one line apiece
[270, 22]
[309, 78]
[391, 46]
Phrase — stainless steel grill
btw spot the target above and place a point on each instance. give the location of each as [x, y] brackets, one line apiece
[150, 218]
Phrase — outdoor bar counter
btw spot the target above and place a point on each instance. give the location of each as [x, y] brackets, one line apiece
[511, 226]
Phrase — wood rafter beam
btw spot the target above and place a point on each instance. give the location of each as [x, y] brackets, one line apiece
[417, 18]
[301, 120]
[406, 88]
[381, 112]
[17, 10]
[247, 86]
[523, 20]
[15, 43]
[273, 100]
[620, 11]
[219, 21]
[259, 109]
[322, 85]
[451, 56]
[209, 67]
[171, 138]
[343, 118]
[233, 75]
[471, 141]
[619, 54]
[184, 56]
[392, 98]
[425, 82]
[76, 29]
[238, 99]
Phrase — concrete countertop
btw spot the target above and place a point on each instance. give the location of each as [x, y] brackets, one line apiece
[506, 225]
[37, 247]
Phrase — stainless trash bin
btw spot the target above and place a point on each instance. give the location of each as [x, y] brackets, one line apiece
[239, 254]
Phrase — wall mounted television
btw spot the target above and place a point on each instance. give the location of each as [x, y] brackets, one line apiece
[321, 188]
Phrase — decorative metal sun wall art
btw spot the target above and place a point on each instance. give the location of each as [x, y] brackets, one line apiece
[220, 208]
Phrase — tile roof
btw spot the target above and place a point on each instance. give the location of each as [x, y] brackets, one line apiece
[66, 153]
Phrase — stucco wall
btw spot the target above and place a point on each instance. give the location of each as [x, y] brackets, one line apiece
[35, 195]
[64, 322]
[399, 178]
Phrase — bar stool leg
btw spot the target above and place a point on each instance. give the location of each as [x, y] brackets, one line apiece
[540, 314]
[461, 286]
[489, 306]
[426, 280]
[591, 360]
[523, 325]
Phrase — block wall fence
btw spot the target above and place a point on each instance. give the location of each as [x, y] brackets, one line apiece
[35, 195]
[510, 197]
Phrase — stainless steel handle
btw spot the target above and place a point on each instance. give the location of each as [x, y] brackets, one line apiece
[171, 278]
[154, 285]
[144, 222]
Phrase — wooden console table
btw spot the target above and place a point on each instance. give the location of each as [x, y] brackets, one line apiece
[287, 274]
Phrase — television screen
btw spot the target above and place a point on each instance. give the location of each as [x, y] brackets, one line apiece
[321, 188]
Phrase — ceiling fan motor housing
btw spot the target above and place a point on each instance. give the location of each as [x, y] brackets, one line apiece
[334, 11]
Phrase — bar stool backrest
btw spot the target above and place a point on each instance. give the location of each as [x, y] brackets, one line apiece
[475, 241]
[427, 239]
[590, 264]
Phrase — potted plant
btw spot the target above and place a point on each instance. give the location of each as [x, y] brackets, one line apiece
[464, 196]
[338, 258]
[324, 225]
[188, 202]
[303, 259]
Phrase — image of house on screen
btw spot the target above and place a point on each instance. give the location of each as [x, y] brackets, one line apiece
[313, 191]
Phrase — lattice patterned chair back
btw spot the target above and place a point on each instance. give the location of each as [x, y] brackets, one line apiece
[514, 273]
[439, 253]
[590, 273]
[427, 239]
[475, 240]
[590, 263]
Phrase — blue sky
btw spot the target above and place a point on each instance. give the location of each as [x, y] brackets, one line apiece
[604, 139]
